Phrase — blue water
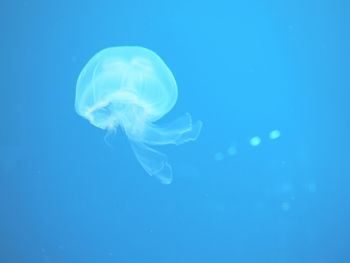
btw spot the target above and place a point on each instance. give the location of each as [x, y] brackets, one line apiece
[266, 181]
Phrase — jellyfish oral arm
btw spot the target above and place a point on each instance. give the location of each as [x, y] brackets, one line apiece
[155, 163]
[177, 132]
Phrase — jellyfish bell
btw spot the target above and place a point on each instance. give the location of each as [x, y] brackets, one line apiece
[132, 88]
[125, 76]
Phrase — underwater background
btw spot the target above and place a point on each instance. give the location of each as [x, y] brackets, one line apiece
[266, 181]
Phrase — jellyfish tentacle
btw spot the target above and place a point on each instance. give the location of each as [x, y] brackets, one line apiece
[154, 162]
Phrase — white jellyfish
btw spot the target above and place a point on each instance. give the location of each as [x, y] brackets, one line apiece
[132, 88]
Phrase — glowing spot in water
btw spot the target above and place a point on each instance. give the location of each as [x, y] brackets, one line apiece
[219, 156]
[312, 187]
[285, 206]
[275, 134]
[255, 141]
[286, 188]
[231, 150]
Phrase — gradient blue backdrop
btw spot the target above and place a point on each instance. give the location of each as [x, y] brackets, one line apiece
[244, 68]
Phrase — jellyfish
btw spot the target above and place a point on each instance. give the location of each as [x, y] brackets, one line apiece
[131, 88]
